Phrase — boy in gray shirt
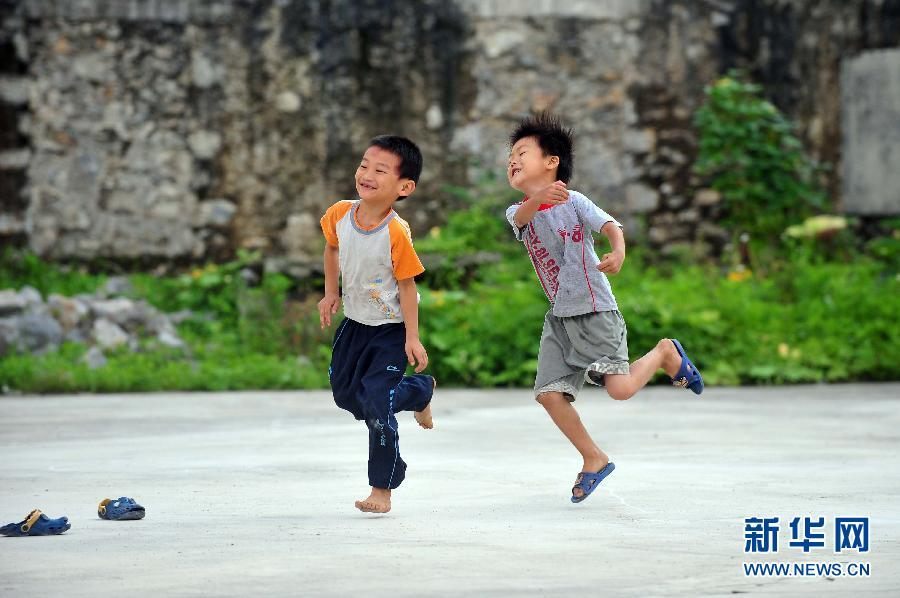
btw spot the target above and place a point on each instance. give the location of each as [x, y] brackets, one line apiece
[584, 336]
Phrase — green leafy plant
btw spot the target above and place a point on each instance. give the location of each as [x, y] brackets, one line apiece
[474, 237]
[749, 153]
[21, 268]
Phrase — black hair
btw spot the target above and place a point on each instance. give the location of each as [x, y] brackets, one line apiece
[552, 137]
[408, 152]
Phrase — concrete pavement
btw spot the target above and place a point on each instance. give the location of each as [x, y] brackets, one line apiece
[252, 494]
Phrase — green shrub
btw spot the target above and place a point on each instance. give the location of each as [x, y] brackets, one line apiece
[484, 336]
[811, 323]
[214, 368]
[19, 269]
[751, 156]
[474, 237]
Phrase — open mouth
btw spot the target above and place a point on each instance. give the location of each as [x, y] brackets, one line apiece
[514, 172]
[366, 186]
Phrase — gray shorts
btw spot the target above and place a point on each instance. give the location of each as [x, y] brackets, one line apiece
[570, 345]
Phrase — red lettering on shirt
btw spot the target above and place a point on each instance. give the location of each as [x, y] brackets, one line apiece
[577, 234]
[545, 266]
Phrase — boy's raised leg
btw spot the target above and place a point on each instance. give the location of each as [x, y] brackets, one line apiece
[423, 416]
[569, 423]
[414, 394]
[664, 355]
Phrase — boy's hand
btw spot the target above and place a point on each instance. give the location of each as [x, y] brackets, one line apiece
[553, 194]
[611, 263]
[416, 354]
[328, 306]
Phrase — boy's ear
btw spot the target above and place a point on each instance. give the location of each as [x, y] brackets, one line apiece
[552, 162]
[407, 186]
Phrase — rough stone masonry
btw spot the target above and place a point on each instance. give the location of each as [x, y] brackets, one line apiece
[173, 131]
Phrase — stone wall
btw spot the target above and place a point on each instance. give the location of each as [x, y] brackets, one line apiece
[168, 131]
[14, 146]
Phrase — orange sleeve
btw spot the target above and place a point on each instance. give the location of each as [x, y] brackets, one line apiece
[330, 219]
[403, 255]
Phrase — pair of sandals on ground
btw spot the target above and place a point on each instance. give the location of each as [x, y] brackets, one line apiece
[37, 523]
[688, 376]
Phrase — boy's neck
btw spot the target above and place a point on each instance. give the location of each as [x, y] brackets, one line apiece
[371, 214]
[533, 187]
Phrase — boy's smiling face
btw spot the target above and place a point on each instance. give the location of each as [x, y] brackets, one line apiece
[378, 177]
[528, 167]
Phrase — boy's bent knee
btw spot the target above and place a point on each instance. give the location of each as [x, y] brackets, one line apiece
[618, 391]
[620, 395]
[548, 399]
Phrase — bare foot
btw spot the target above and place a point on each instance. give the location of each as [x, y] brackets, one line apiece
[379, 501]
[423, 417]
[671, 357]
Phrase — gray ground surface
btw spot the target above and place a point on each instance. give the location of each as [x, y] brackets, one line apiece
[252, 494]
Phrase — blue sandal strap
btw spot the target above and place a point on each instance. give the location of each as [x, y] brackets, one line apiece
[588, 481]
[688, 375]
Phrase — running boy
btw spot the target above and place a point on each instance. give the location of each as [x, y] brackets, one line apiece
[584, 336]
[370, 247]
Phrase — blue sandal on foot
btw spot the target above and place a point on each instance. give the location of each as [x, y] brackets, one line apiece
[121, 509]
[36, 524]
[688, 375]
[587, 481]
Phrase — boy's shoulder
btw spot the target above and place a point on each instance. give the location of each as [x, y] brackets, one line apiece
[579, 196]
[340, 207]
[333, 215]
[398, 226]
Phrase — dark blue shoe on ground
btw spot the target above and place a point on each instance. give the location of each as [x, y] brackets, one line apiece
[121, 509]
[36, 524]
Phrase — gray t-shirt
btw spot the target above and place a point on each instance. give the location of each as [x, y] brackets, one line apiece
[561, 248]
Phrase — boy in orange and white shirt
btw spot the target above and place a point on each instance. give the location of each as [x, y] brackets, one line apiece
[370, 248]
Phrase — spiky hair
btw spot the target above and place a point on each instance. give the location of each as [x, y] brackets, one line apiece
[552, 137]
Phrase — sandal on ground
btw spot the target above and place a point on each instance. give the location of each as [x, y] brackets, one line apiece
[120, 509]
[588, 481]
[688, 375]
[36, 524]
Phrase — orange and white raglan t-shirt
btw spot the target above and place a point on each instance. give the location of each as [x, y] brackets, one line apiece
[372, 261]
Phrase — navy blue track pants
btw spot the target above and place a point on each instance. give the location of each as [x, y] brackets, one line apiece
[366, 374]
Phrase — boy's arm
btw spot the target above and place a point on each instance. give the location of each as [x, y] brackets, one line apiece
[526, 211]
[329, 304]
[409, 305]
[611, 262]
[555, 193]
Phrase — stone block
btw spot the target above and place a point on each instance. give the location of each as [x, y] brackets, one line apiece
[108, 335]
[870, 119]
[205, 144]
[14, 159]
[707, 197]
[641, 198]
[39, 332]
[14, 90]
[639, 141]
[11, 303]
[216, 213]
